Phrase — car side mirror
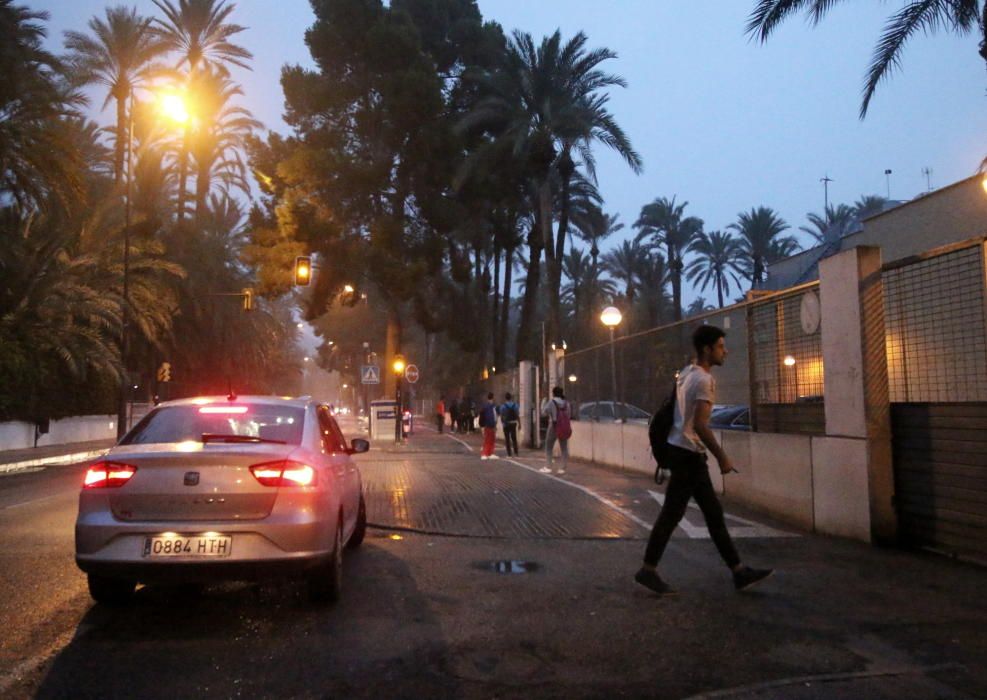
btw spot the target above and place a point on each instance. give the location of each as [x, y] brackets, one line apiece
[359, 445]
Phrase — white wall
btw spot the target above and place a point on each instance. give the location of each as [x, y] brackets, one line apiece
[17, 435]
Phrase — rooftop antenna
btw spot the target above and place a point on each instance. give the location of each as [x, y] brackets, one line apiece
[887, 179]
[825, 181]
[927, 171]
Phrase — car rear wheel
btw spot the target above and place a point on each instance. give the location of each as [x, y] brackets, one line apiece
[111, 591]
[325, 583]
[360, 531]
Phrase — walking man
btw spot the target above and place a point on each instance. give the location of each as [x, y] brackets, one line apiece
[488, 421]
[688, 441]
[440, 413]
[559, 428]
[509, 417]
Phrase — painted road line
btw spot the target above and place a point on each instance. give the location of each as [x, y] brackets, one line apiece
[461, 442]
[753, 529]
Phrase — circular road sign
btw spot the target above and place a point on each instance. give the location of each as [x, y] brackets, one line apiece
[411, 373]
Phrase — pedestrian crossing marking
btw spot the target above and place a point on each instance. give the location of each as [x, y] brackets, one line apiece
[700, 532]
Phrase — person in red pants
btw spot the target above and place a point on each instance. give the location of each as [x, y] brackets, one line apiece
[488, 421]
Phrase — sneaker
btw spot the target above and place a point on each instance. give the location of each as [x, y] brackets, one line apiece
[493, 457]
[560, 471]
[484, 457]
[748, 577]
[650, 579]
[545, 470]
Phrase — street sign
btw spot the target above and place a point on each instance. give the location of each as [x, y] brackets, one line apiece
[369, 374]
[411, 373]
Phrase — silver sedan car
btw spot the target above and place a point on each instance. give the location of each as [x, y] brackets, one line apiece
[222, 488]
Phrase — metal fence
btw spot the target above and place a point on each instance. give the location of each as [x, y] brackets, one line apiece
[934, 311]
[644, 366]
[787, 371]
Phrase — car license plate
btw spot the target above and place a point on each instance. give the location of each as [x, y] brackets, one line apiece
[196, 546]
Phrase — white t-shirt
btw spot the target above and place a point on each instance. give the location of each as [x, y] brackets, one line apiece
[694, 384]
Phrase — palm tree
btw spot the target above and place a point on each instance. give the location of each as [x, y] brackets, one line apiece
[916, 16]
[120, 54]
[623, 264]
[39, 163]
[541, 105]
[222, 134]
[837, 222]
[593, 225]
[717, 262]
[662, 222]
[652, 276]
[198, 32]
[761, 241]
[869, 205]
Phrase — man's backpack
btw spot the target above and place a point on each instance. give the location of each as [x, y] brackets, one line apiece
[658, 430]
[563, 426]
[508, 413]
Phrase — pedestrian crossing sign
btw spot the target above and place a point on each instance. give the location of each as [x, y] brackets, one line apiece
[369, 374]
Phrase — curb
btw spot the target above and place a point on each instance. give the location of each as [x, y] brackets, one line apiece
[15, 467]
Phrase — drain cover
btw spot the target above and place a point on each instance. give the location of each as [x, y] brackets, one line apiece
[507, 566]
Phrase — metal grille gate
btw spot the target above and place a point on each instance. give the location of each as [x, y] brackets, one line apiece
[936, 343]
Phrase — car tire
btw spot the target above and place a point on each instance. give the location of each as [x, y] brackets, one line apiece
[111, 591]
[325, 583]
[360, 531]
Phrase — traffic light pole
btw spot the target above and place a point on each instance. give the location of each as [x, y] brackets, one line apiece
[398, 413]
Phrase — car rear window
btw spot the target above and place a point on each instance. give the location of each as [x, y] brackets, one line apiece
[181, 423]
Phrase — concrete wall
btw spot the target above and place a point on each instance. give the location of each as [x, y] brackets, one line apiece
[16, 435]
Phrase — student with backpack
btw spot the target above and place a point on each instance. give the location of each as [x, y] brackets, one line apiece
[687, 436]
[488, 421]
[559, 428]
[510, 415]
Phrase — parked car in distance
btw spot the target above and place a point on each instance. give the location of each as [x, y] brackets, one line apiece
[736, 417]
[222, 488]
[609, 411]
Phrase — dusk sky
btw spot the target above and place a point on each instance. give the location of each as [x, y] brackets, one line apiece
[721, 122]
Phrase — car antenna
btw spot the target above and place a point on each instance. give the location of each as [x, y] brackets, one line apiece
[232, 395]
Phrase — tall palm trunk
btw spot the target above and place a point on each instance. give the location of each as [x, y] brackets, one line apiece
[720, 282]
[183, 168]
[495, 315]
[500, 347]
[119, 147]
[566, 168]
[675, 265]
[202, 185]
[526, 348]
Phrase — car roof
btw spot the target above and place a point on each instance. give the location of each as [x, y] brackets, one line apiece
[296, 401]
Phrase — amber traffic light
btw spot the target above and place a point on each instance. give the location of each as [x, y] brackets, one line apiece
[303, 271]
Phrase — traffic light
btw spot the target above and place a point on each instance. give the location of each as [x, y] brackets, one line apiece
[303, 271]
[248, 298]
[164, 372]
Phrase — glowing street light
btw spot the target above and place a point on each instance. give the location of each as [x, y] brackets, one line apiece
[611, 318]
[789, 361]
[175, 107]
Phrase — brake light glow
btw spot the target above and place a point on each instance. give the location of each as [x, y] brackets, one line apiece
[223, 409]
[108, 475]
[284, 473]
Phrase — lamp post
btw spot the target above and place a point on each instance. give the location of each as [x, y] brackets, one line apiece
[398, 366]
[611, 318]
[173, 106]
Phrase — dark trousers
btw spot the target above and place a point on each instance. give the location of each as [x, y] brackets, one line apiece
[690, 479]
[510, 438]
[440, 420]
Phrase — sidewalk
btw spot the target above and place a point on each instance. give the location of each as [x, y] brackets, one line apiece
[12, 461]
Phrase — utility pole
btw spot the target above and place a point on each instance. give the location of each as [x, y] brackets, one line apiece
[825, 181]
[887, 179]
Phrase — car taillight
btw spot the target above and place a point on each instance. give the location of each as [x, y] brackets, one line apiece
[108, 475]
[284, 473]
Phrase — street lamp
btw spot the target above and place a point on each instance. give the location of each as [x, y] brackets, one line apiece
[611, 318]
[174, 107]
[398, 366]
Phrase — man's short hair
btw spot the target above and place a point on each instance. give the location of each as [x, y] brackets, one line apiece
[507, 396]
[706, 336]
[557, 391]
[490, 396]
